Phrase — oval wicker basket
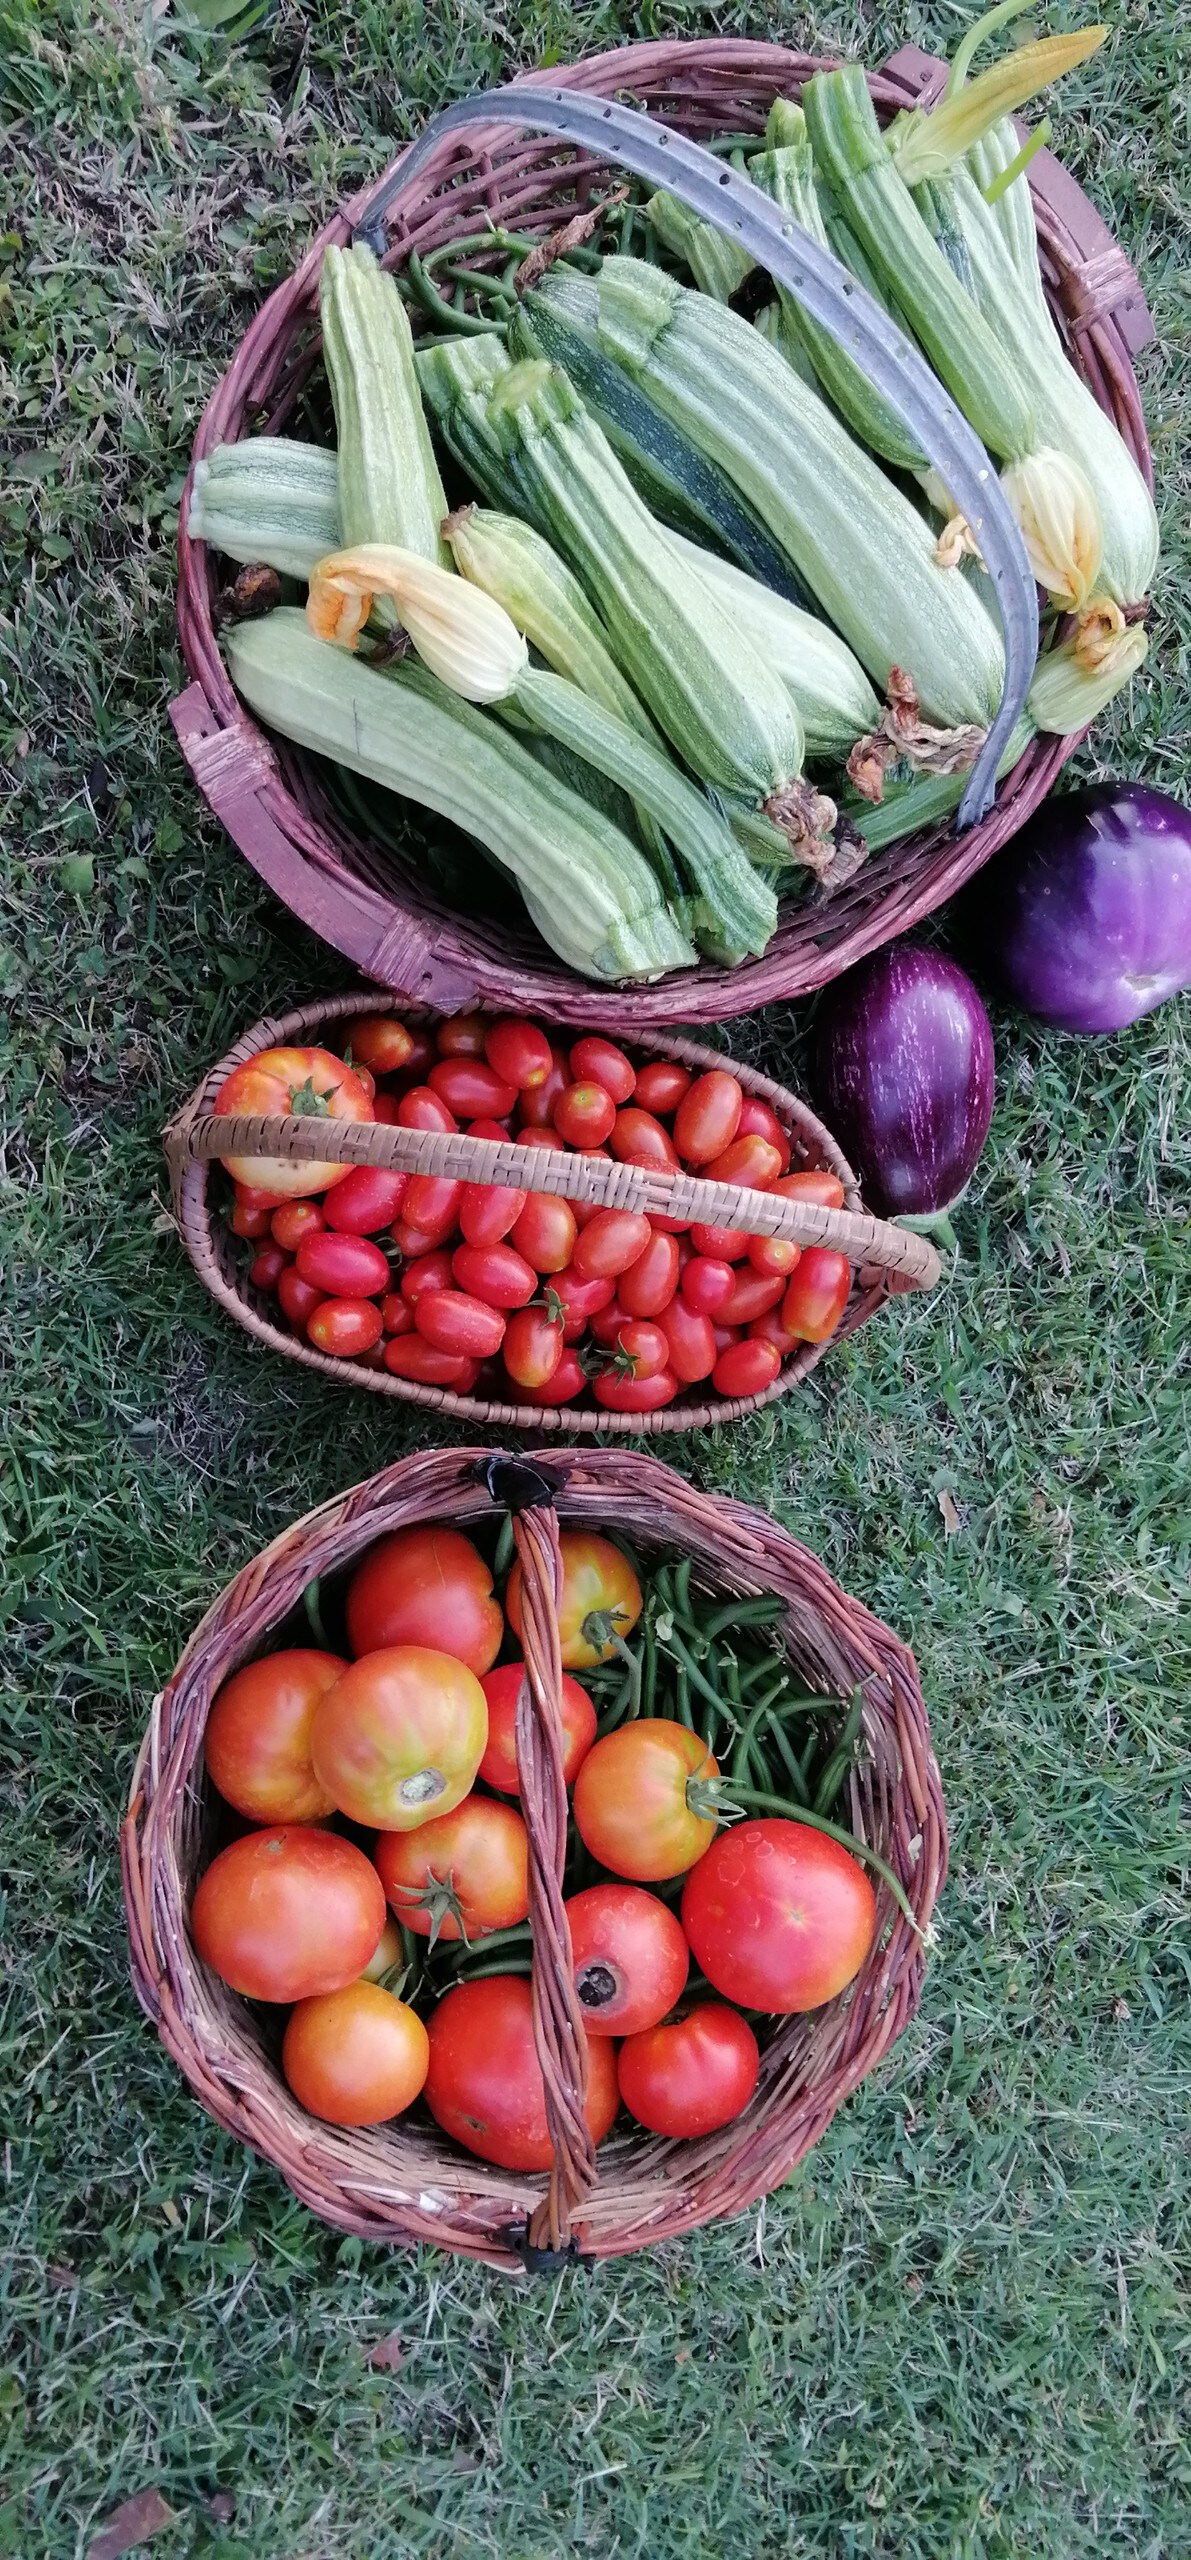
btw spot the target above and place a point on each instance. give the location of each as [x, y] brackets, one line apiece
[888, 1259]
[406, 2181]
[382, 913]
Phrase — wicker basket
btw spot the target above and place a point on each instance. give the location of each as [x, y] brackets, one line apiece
[383, 916]
[406, 2181]
[887, 1258]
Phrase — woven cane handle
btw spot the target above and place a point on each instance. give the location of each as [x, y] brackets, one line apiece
[602, 1184]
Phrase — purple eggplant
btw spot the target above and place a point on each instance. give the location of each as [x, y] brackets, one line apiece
[1086, 917]
[904, 1069]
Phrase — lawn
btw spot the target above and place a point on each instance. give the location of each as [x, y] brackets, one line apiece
[956, 2334]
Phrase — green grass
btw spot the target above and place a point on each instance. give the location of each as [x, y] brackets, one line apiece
[956, 2335]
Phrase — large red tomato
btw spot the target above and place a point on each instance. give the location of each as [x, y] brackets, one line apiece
[484, 2085]
[498, 1768]
[629, 1958]
[460, 1876]
[631, 1807]
[355, 2056]
[780, 1917]
[288, 1913]
[426, 1586]
[595, 1577]
[257, 1742]
[692, 2074]
[399, 1738]
[276, 1083]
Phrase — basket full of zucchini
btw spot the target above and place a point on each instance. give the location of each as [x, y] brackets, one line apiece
[640, 617]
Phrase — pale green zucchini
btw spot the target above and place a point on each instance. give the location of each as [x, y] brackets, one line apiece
[389, 485]
[270, 499]
[835, 700]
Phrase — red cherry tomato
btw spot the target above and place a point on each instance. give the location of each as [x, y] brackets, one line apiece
[498, 1768]
[461, 1875]
[631, 1807]
[355, 2056]
[637, 1138]
[751, 1163]
[298, 1298]
[746, 1368]
[533, 1347]
[495, 1272]
[266, 1270]
[707, 1285]
[824, 1189]
[596, 1061]
[580, 1295]
[463, 1035]
[583, 1115]
[431, 1204]
[692, 2074]
[604, 1325]
[629, 1958]
[650, 1282]
[644, 1344]
[690, 1341]
[453, 1321]
[487, 1210]
[408, 1356]
[294, 1220]
[758, 1121]
[776, 1256]
[345, 1327]
[545, 1232]
[708, 1117]
[725, 1335]
[286, 1913]
[470, 1087]
[753, 1294]
[548, 1138]
[610, 1242]
[538, 1100]
[413, 1243]
[381, 1042]
[818, 1294]
[252, 1216]
[257, 1742]
[427, 1271]
[425, 1586]
[385, 1109]
[662, 1085]
[519, 1052]
[770, 1328]
[568, 1381]
[366, 1200]
[276, 1083]
[422, 1108]
[783, 1917]
[484, 2085]
[396, 1313]
[635, 1395]
[343, 1266]
[720, 1244]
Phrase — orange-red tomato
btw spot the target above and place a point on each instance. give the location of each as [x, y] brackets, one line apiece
[399, 1738]
[708, 1116]
[257, 1742]
[637, 1138]
[463, 1035]
[497, 1273]
[595, 1576]
[537, 1101]
[277, 1083]
[345, 1328]
[751, 1163]
[546, 1230]
[596, 1061]
[825, 1189]
[472, 1089]
[532, 1347]
[778, 1916]
[610, 1241]
[746, 1368]
[707, 1284]
[635, 1395]
[366, 1201]
[455, 1322]
[287, 1913]
[692, 2074]
[426, 1271]
[583, 1116]
[430, 1367]
[422, 1108]
[426, 1586]
[345, 1266]
[487, 1210]
[690, 1341]
[757, 1120]
[381, 1042]
[753, 1294]
[396, 1313]
[631, 1806]
[650, 1282]
[295, 1220]
[430, 1206]
[579, 1299]
[498, 1768]
[817, 1295]
[355, 2056]
[469, 1866]
[519, 1051]
[484, 2085]
[567, 1382]
[267, 1266]
[629, 1958]
[298, 1297]
[661, 1085]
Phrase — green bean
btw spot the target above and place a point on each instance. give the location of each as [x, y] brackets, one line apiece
[788, 1757]
[682, 1587]
[450, 315]
[649, 1667]
[682, 1693]
[506, 1546]
[696, 1677]
[312, 1604]
[759, 1612]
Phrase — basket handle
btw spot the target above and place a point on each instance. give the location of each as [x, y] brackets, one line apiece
[198, 1137]
[658, 153]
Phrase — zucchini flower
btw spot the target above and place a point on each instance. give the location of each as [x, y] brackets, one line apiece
[461, 634]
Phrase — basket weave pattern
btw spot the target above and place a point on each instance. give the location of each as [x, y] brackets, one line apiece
[405, 2181]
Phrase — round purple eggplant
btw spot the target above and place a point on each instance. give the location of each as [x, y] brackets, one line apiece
[903, 1066]
[1086, 917]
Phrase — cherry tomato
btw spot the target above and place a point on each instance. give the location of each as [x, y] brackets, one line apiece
[776, 1256]
[414, 1244]
[399, 1738]
[428, 1271]
[637, 1138]
[346, 1266]
[497, 1273]
[708, 1116]
[286, 1913]
[533, 1347]
[484, 2086]
[431, 1204]
[707, 1285]
[725, 1335]
[280, 1082]
[425, 1586]
[381, 1042]
[487, 1211]
[519, 1051]
[567, 1382]
[385, 1109]
[463, 1035]
[423, 1108]
[411, 1357]
[610, 1241]
[690, 1341]
[453, 1321]
[662, 1085]
[753, 1293]
[368, 1200]
[252, 1215]
[596, 1061]
[634, 1395]
[266, 1269]
[595, 1576]
[721, 1244]
[355, 2056]
[545, 1232]
[547, 1138]
[605, 1323]
[498, 1768]
[537, 1102]
[364, 1075]
[579, 1298]
[770, 1328]
[780, 1917]
[631, 1806]
[461, 1875]
[824, 1190]
[818, 1294]
[746, 1368]
[751, 1163]
[396, 1313]
[650, 1282]
[629, 1958]
[470, 1087]
[257, 1741]
[758, 1121]
[298, 1297]
[583, 1115]
[345, 1328]
[294, 1220]
[691, 2075]
[645, 1345]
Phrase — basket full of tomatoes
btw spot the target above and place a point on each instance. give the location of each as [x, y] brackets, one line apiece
[529, 1854]
[537, 1232]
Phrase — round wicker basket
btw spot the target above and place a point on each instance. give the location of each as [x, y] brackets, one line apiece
[888, 1259]
[380, 911]
[406, 2181]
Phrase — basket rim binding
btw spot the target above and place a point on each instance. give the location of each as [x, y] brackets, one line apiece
[396, 2182]
[269, 798]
